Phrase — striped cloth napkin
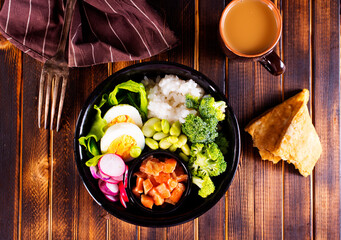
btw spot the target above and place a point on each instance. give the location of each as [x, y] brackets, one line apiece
[101, 30]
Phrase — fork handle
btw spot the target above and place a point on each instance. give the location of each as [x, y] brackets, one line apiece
[70, 5]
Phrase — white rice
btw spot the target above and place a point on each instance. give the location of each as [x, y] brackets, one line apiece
[167, 97]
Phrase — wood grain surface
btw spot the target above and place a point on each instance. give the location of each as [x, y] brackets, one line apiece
[297, 202]
[43, 197]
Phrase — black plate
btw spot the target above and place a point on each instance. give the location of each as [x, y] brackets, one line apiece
[194, 206]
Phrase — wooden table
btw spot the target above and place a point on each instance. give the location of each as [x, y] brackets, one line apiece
[42, 196]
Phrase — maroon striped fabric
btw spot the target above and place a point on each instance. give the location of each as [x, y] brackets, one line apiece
[101, 30]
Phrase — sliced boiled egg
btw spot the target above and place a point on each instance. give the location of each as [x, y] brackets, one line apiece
[120, 138]
[123, 113]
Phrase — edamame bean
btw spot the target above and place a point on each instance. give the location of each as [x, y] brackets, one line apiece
[152, 143]
[148, 127]
[164, 144]
[165, 126]
[157, 126]
[135, 151]
[172, 139]
[185, 149]
[182, 140]
[173, 148]
[159, 135]
[183, 156]
[175, 129]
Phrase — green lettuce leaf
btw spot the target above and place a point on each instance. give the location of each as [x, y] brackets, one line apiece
[93, 161]
[96, 132]
[133, 87]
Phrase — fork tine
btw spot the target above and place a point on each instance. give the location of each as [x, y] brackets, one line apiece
[55, 86]
[40, 99]
[61, 102]
[47, 99]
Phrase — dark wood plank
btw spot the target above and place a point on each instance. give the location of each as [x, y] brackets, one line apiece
[326, 117]
[75, 214]
[211, 61]
[36, 162]
[255, 197]
[296, 49]
[10, 139]
[268, 181]
[241, 194]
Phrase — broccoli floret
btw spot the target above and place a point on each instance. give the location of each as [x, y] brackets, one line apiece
[222, 143]
[198, 130]
[192, 102]
[209, 108]
[206, 160]
[205, 184]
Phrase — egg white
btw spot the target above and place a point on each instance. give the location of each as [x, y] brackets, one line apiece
[119, 129]
[123, 109]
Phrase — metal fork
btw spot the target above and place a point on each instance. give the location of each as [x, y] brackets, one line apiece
[53, 70]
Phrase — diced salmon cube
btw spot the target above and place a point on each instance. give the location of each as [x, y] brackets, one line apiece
[158, 200]
[177, 193]
[162, 177]
[152, 179]
[147, 185]
[147, 201]
[136, 193]
[171, 184]
[139, 185]
[167, 200]
[182, 178]
[151, 166]
[163, 191]
[152, 192]
[141, 175]
[170, 164]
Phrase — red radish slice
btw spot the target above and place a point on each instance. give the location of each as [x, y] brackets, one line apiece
[112, 198]
[94, 172]
[103, 176]
[113, 188]
[113, 181]
[125, 179]
[119, 178]
[123, 193]
[103, 187]
[111, 165]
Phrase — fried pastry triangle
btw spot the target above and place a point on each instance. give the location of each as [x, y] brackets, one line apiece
[286, 132]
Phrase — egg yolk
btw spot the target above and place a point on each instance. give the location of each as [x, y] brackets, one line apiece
[121, 119]
[122, 145]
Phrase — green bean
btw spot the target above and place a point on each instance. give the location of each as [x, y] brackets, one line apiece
[165, 126]
[135, 151]
[175, 129]
[164, 144]
[183, 156]
[157, 126]
[182, 141]
[159, 135]
[152, 143]
[173, 148]
[172, 139]
[185, 149]
[148, 127]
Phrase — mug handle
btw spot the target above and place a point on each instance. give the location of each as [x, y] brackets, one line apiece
[272, 63]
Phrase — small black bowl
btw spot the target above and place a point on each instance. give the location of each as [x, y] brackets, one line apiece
[166, 207]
